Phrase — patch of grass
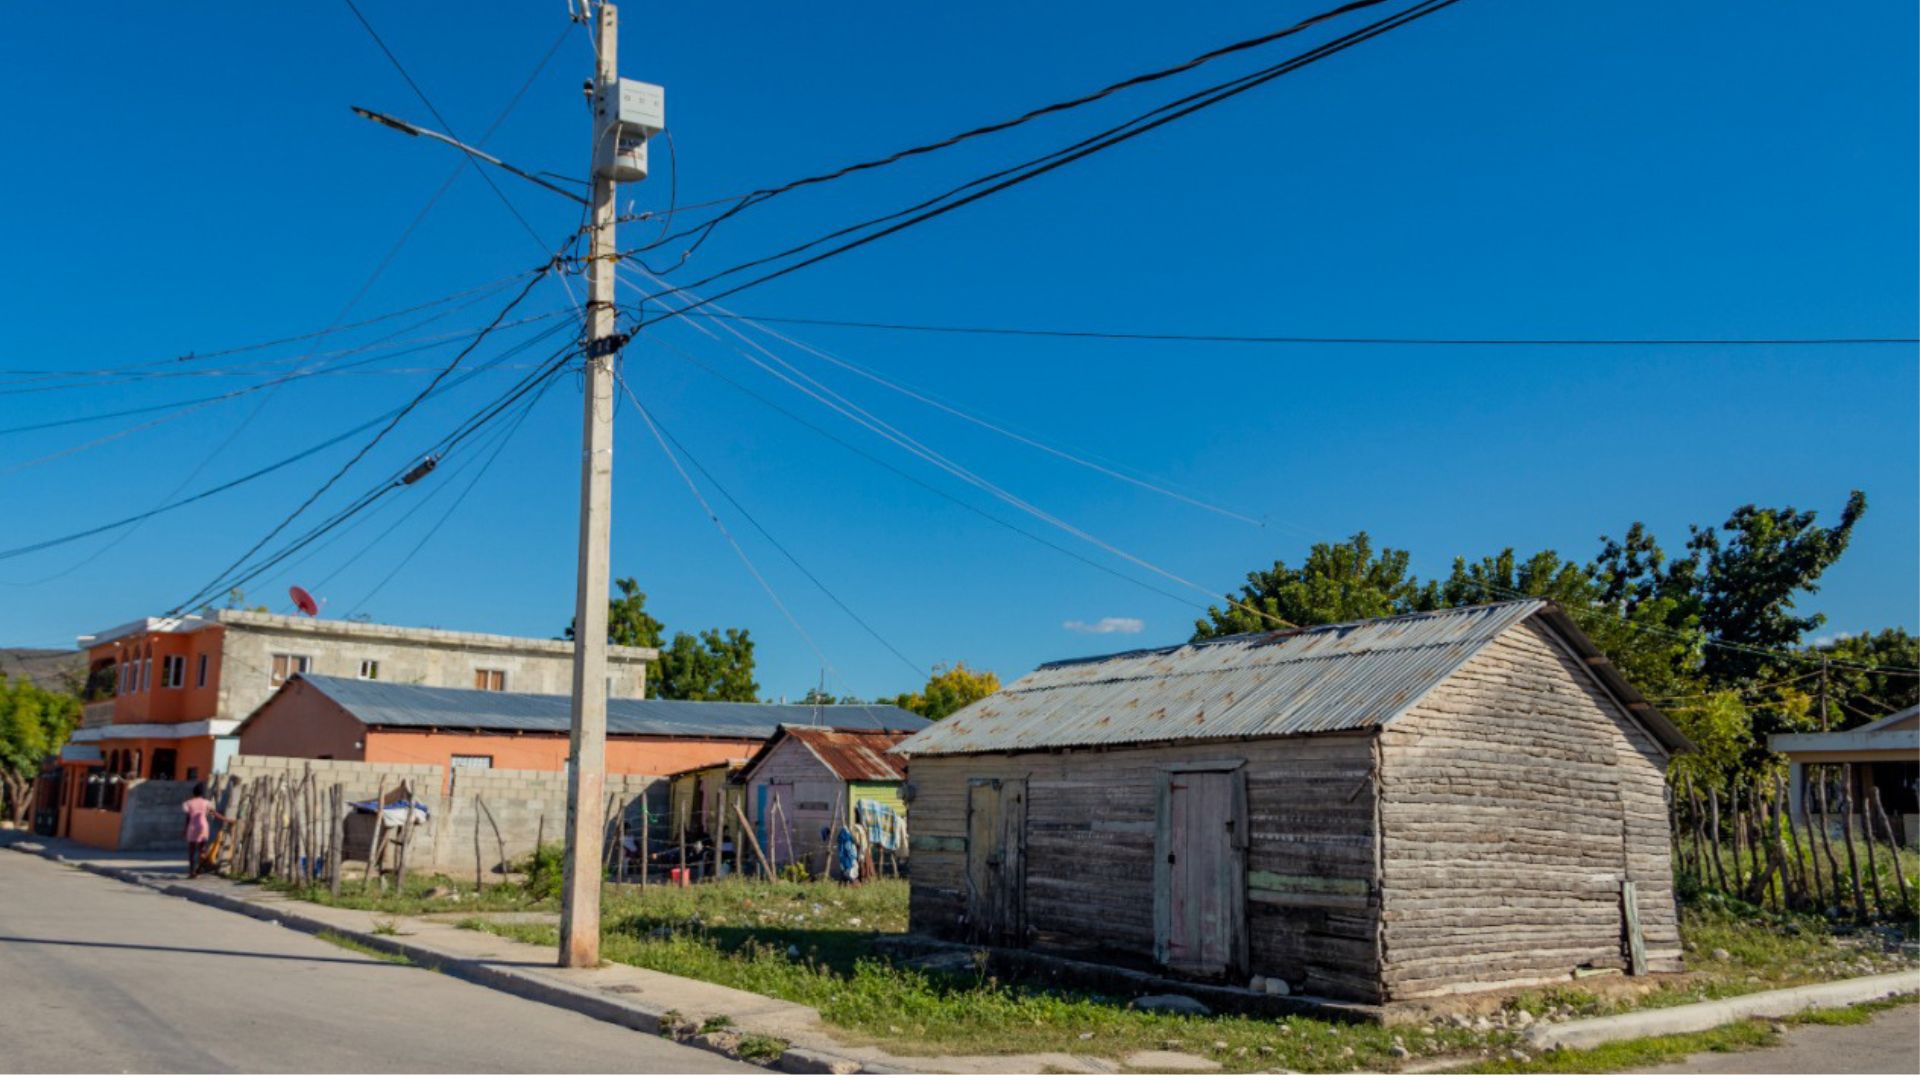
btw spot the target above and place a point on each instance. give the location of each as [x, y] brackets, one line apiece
[386, 927]
[1638, 1053]
[423, 894]
[761, 1049]
[1663, 1049]
[720, 1022]
[915, 1012]
[334, 937]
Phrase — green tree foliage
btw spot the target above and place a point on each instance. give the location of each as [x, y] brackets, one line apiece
[1712, 636]
[33, 725]
[715, 665]
[1339, 582]
[948, 690]
[1858, 695]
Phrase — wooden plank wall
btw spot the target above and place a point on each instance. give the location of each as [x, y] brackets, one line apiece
[1090, 836]
[1516, 796]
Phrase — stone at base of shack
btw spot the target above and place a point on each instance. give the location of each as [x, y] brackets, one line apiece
[1179, 1004]
[1010, 964]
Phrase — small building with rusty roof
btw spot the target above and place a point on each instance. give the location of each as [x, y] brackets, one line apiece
[1433, 803]
[807, 779]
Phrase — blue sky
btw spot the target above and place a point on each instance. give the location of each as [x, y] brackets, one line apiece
[186, 178]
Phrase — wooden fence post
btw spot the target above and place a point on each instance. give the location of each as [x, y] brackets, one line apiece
[1713, 837]
[1846, 834]
[406, 840]
[1893, 844]
[337, 839]
[376, 840]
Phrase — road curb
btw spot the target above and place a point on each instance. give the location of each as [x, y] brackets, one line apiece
[1701, 1016]
[523, 983]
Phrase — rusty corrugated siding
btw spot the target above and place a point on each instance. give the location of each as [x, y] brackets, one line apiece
[854, 755]
[1328, 678]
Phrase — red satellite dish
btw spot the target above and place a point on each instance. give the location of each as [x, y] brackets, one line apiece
[304, 600]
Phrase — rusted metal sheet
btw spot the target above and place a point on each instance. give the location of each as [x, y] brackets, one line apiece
[1328, 678]
[854, 755]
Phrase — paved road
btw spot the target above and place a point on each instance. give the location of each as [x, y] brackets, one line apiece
[100, 976]
[1889, 1043]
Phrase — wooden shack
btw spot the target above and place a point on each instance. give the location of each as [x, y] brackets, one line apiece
[807, 780]
[1450, 801]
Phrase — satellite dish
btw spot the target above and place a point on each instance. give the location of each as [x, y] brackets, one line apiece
[304, 600]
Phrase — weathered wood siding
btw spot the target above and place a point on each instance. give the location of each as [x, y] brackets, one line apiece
[1515, 798]
[816, 801]
[1312, 909]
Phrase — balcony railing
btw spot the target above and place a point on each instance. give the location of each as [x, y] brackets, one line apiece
[96, 714]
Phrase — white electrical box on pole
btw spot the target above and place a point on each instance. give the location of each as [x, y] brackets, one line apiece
[587, 762]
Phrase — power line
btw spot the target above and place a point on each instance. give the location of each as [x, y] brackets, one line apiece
[661, 428]
[440, 450]
[1059, 159]
[458, 501]
[1294, 339]
[833, 400]
[382, 433]
[696, 362]
[761, 195]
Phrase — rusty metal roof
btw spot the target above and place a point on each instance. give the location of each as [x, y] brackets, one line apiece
[851, 755]
[1326, 678]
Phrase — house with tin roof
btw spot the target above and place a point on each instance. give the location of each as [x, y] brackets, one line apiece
[808, 779]
[1441, 802]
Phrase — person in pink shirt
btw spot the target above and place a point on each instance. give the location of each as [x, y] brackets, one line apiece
[198, 809]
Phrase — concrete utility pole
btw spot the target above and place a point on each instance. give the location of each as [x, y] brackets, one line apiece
[587, 763]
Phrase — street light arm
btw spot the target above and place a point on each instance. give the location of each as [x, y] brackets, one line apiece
[406, 128]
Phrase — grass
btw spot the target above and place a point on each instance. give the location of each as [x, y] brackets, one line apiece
[334, 937]
[761, 1049]
[1663, 1049]
[423, 894]
[811, 943]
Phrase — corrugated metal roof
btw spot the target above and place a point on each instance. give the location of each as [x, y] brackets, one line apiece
[1325, 678]
[854, 755]
[403, 705]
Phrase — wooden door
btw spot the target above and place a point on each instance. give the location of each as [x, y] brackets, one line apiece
[1200, 872]
[996, 861]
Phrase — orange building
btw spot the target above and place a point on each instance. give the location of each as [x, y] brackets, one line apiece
[165, 696]
[326, 717]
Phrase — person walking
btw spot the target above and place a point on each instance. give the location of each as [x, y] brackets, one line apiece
[198, 810]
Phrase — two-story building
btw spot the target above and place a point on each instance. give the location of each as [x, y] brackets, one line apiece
[166, 694]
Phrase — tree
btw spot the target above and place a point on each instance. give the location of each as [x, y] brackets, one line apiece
[948, 690]
[1855, 695]
[1339, 582]
[34, 723]
[1744, 577]
[715, 666]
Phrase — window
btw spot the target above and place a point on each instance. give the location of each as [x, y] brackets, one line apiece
[193, 772]
[125, 685]
[473, 761]
[489, 679]
[287, 665]
[201, 678]
[369, 669]
[146, 673]
[173, 672]
[163, 765]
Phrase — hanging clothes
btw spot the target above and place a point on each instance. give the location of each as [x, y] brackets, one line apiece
[886, 827]
[846, 855]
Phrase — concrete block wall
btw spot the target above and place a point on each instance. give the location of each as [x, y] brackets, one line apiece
[152, 817]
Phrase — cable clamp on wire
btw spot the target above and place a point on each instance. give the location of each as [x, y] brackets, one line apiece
[607, 346]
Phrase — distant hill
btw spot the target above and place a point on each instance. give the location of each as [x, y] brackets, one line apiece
[46, 668]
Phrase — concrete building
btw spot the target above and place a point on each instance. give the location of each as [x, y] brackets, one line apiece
[1445, 802]
[165, 695]
[1882, 756]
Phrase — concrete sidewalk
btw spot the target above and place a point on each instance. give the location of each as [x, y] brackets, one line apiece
[648, 1001]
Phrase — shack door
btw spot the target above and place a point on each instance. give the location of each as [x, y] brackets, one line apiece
[1200, 876]
[996, 850]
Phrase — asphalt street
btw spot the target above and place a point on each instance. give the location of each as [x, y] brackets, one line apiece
[1889, 1043]
[101, 976]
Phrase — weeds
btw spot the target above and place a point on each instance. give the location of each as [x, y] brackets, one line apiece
[761, 1049]
[334, 937]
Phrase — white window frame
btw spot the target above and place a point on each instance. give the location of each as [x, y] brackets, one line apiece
[470, 761]
[370, 670]
[200, 680]
[479, 672]
[173, 672]
[294, 664]
[146, 673]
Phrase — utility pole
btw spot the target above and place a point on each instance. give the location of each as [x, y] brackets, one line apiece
[587, 762]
